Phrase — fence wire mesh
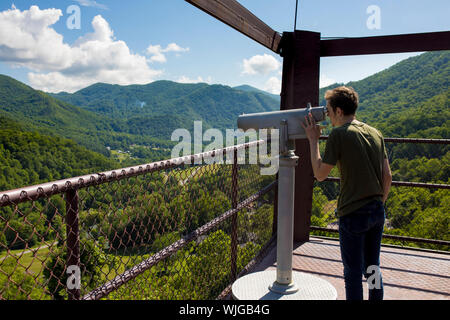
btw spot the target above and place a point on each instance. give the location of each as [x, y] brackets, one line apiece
[174, 231]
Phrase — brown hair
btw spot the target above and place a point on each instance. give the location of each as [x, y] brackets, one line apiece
[343, 97]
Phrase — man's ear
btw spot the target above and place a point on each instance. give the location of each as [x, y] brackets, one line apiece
[339, 112]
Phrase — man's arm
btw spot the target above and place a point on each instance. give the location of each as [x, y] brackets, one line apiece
[387, 179]
[321, 170]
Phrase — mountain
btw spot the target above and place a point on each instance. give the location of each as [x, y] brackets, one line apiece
[28, 158]
[158, 108]
[38, 111]
[248, 88]
[409, 99]
[24, 104]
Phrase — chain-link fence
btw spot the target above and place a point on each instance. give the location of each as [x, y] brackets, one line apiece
[170, 230]
[167, 230]
[418, 206]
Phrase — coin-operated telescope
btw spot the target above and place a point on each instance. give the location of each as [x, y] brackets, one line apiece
[287, 121]
[273, 119]
[289, 124]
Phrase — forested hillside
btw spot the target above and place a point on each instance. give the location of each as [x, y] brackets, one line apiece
[158, 108]
[28, 158]
[409, 99]
[39, 112]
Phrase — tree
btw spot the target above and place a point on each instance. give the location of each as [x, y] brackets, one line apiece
[92, 260]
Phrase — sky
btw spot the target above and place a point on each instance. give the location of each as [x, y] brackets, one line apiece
[63, 45]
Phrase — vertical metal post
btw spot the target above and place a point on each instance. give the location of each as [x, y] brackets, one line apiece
[234, 201]
[73, 237]
[286, 185]
[285, 226]
[300, 85]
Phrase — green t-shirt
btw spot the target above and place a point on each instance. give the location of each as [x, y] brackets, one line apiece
[358, 151]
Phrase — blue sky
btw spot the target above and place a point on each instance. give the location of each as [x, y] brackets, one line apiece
[140, 41]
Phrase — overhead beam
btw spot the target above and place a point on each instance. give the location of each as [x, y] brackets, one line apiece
[238, 17]
[414, 42]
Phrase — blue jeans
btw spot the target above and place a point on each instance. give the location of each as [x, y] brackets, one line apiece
[360, 241]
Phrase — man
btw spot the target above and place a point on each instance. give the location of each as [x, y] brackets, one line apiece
[359, 152]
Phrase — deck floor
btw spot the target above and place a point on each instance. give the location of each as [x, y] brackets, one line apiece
[407, 274]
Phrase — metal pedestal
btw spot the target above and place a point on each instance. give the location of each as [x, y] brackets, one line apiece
[288, 284]
[255, 286]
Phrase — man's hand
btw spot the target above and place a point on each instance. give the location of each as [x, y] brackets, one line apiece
[312, 130]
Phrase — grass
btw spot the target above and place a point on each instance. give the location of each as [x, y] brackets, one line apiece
[31, 259]
[120, 156]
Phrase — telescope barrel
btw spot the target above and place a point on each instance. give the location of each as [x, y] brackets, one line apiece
[294, 118]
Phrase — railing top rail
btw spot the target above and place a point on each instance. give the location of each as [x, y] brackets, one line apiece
[48, 189]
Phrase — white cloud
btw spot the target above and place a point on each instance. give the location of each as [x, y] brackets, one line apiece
[175, 48]
[156, 52]
[91, 3]
[28, 40]
[260, 64]
[184, 79]
[273, 85]
[324, 81]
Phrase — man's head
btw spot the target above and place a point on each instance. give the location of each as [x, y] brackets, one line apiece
[344, 98]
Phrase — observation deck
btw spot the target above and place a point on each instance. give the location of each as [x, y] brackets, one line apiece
[172, 230]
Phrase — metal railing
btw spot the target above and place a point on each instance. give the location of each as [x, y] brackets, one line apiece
[170, 230]
[165, 230]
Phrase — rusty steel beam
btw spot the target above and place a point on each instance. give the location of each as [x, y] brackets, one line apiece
[300, 86]
[414, 42]
[241, 19]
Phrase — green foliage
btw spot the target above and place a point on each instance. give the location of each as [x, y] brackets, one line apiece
[18, 284]
[422, 169]
[321, 216]
[28, 158]
[92, 260]
[188, 274]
